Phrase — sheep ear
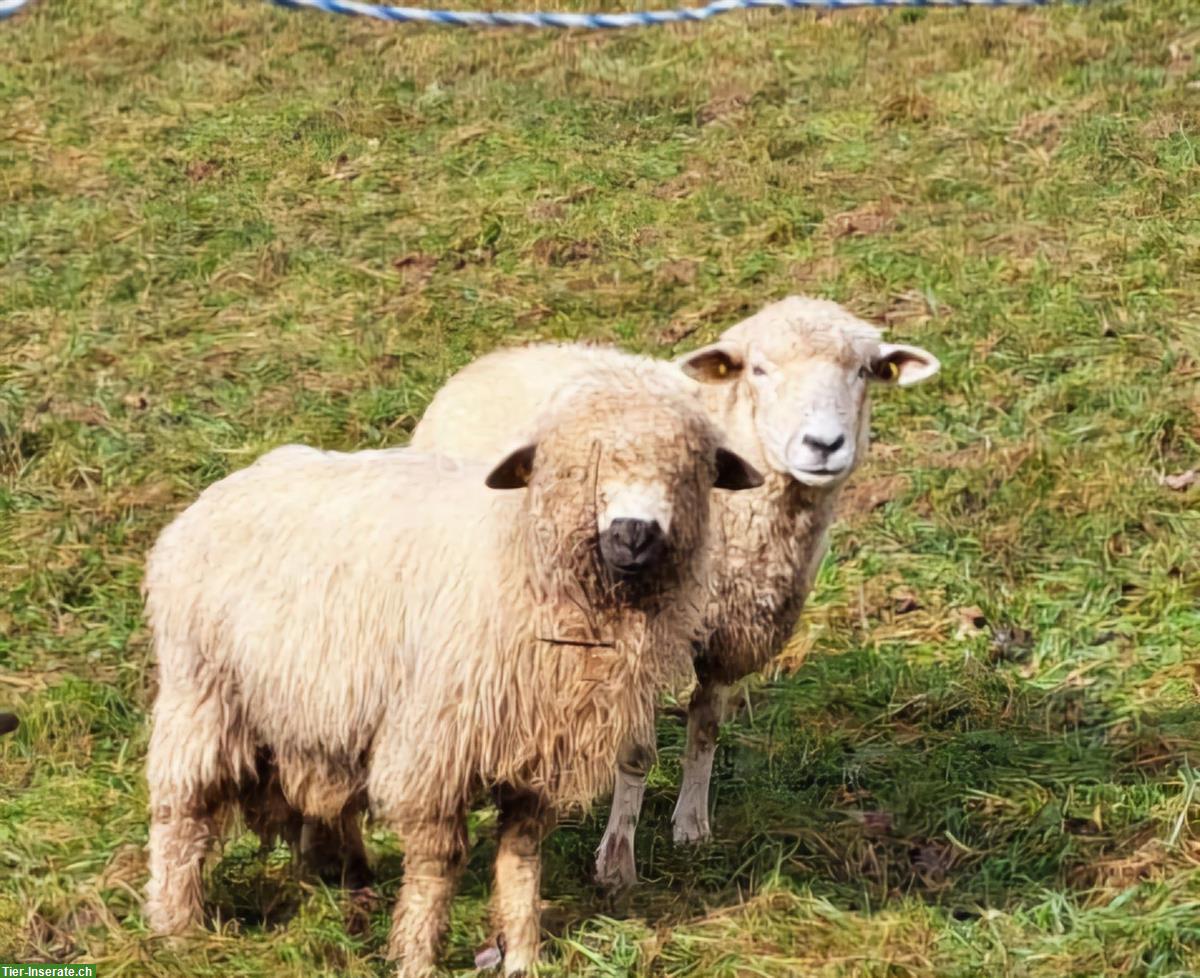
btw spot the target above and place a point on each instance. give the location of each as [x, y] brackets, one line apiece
[8, 723]
[713, 364]
[514, 471]
[903, 365]
[734, 472]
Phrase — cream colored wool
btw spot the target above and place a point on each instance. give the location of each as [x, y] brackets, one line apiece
[795, 359]
[334, 630]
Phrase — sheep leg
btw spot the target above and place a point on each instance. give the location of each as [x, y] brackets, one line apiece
[615, 865]
[180, 833]
[268, 813]
[334, 851]
[516, 903]
[690, 819]
[184, 776]
[434, 856]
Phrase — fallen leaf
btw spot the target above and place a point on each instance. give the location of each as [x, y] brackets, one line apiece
[147, 494]
[139, 402]
[678, 329]
[1161, 125]
[818, 270]
[533, 315]
[199, 170]
[1011, 643]
[867, 495]
[363, 902]
[547, 210]
[1180, 481]
[681, 272]
[971, 621]
[872, 218]
[722, 105]
[906, 107]
[877, 822]
[554, 251]
[912, 307]
[341, 170]
[1039, 129]
[89, 414]
[464, 135]
[933, 860]
[845, 795]
[416, 269]
[678, 187]
[1181, 57]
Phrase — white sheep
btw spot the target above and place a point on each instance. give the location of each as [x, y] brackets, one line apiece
[383, 630]
[788, 387]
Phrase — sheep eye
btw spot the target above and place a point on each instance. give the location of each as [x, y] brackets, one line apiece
[863, 372]
[886, 370]
[759, 372]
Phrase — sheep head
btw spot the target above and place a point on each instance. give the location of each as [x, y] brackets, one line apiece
[792, 381]
[619, 476]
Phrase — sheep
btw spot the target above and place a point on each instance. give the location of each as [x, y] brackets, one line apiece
[788, 387]
[382, 630]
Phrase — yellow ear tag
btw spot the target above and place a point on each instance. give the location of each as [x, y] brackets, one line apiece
[892, 371]
[722, 370]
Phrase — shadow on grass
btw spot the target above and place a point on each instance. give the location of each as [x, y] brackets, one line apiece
[861, 779]
[971, 793]
[253, 888]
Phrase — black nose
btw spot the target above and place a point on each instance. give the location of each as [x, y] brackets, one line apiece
[828, 447]
[629, 546]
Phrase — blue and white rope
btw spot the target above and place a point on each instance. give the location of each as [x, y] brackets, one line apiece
[603, 21]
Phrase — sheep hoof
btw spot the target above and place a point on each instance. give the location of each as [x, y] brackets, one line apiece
[491, 955]
[693, 833]
[8, 723]
[173, 928]
[615, 867]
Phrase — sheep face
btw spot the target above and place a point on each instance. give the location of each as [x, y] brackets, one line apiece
[635, 514]
[802, 367]
[624, 480]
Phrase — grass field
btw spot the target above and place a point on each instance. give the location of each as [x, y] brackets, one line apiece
[224, 226]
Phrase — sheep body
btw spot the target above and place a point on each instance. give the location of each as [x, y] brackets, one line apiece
[466, 417]
[765, 546]
[768, 544]
[381, 628]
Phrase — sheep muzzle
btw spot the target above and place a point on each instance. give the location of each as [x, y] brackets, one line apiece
[631, 546]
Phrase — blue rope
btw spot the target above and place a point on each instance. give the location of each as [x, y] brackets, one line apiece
[640, 18]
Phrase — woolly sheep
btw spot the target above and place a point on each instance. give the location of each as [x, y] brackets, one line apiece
[382, 630]
[788, 386]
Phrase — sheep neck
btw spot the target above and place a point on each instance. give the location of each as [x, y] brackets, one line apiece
[595, 657]
[769, 544]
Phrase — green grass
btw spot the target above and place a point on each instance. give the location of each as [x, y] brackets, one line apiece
[225, 226]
